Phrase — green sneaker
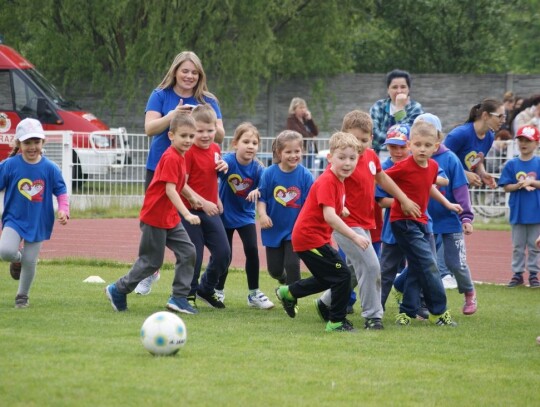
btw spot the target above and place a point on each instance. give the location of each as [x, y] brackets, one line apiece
[287, 301]
[398, 295]
[443, 319]
[403, 319]
[343, 326]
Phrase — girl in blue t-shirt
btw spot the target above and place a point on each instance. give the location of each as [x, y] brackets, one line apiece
[238, 194]
[29, 181]
[283, 190]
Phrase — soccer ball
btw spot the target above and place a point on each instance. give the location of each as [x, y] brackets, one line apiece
[163, 333]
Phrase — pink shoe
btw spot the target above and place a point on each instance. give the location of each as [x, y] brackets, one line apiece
[469, 307]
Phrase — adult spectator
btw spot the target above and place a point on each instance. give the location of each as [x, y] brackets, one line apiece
[300, 120]
[398, 107]
[528, 115]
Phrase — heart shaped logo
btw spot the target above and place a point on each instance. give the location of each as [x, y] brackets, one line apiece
[287, 196]
[239, 185]
[473, 159]
[33, 191]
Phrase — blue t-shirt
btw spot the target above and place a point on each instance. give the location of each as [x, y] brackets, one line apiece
[234, 188]
[470, 150]
[524, 205]
[28, 202]
[284, 194]
[163, 101]
[445, 221]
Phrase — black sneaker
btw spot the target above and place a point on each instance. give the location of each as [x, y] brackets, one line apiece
[290, 306]
[422, 313]
[344, 326]
[533, 281]
[517, 279]
[210, 299]
[322, 310]
[15, 270]
[373, 323]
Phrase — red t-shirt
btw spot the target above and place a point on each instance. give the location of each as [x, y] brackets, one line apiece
[415, 182]
[310, 229]
[360, 191]
[157, 209]
[201, 171]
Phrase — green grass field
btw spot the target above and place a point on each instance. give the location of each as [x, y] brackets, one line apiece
[71, 349]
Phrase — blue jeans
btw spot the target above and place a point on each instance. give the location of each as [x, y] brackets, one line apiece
[423, 275]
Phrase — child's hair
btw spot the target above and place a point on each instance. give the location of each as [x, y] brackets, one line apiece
[503, 134]
[181, 119]
[423, 128]
[357, 120]
[201, 88]
[278, 145]
[398, 73]
[487, 105]
[342, 140]
[295, 102]
[15, 149]
[204, 114]
[243, 128]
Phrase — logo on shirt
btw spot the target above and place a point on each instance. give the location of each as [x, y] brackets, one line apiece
[33, 191]
[372, 168]
[287, 196]
[217, 157]
[238, 185]
[473, 159]
[522, 176]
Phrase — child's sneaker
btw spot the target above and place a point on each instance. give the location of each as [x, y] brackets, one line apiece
[145, 286]
[259, 300]
[517, 279]
[373, 323]
[398, 295]
[403, 319]
[449, 282]
[322, 310]
[290, 306]
[533, 281]
[192, 301]
[210, 299]
[117, 299]
[443, 319]
[180, 304]
[343, 326]
[469, 307]
[22, 301]
[220, 294]
[15, 270]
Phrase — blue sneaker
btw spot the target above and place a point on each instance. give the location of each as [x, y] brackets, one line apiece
[181, 304]
[117, 299]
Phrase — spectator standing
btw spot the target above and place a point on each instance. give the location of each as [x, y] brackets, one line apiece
[300, 120]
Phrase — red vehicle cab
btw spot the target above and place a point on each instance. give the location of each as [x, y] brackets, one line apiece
[24, 92]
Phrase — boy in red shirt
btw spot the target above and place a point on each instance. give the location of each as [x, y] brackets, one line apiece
[312, 232]
[416, 176]
[161, 226]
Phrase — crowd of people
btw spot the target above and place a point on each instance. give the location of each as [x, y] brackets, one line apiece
[197, 196]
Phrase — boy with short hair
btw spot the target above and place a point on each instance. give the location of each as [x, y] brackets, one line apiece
[161, 226]
[360, 202]
[312, 232]
[520, 177]
[416, 176]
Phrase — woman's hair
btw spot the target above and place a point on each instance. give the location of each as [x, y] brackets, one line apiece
[487, 105]
[243, 128]
[508, 97]
[181, 119]
[295, 102]
[204, 113]
[278, 145]
[398, 73]
[201, 88]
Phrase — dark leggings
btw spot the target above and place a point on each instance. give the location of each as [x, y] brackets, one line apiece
[248, 235]
[283, 263]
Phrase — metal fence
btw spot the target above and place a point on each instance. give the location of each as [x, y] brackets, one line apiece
[111, 172]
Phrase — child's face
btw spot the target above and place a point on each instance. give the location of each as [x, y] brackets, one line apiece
[423, 147]
[397, 153]
[343, 161]
[363, 137]
[182, 138]
[246, 147]
[204, 137]
[31, 149]
[526, 146]
[291, 155]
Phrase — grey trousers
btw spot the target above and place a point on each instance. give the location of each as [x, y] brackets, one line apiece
[367, 271]
[523, 239]
[151, 255]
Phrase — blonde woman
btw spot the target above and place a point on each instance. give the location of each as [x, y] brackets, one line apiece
[300, 120]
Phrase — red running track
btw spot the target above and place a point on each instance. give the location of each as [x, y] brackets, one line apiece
[488, 252]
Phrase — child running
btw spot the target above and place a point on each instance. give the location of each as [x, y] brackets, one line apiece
[203, 162]
[416, 176]
[161, 226]
[29, 181]
[312, 234]
[238, 194]
[283, 190]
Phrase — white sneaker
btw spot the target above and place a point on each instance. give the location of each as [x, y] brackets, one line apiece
[220, 294]
[259, 300]
[145, 286]
[449, 282]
